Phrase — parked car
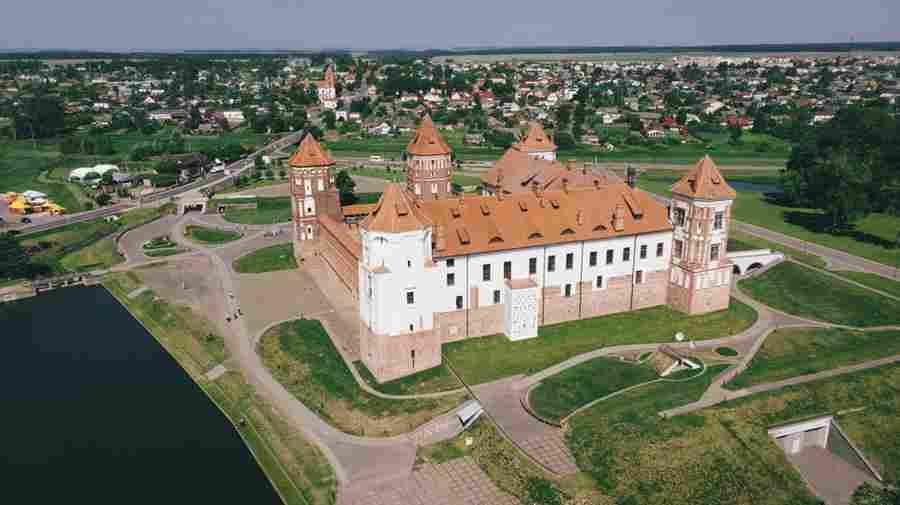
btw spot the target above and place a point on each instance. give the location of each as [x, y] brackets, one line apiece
[26, 220]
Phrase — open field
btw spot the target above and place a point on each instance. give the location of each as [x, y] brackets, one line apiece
[210, 235]
[301, 356]
[557, 343]
[269, 210]
[101, 254]
[792, 352]
[558, 396]
[801, 291]
[297, 469]
[267, 259]
[872, 238]
[723, 454]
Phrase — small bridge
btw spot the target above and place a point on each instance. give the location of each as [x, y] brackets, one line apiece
[750, 261]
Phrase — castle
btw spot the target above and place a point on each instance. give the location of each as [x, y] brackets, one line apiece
[545, 243]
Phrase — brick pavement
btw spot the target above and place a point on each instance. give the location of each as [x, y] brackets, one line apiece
[456, 482]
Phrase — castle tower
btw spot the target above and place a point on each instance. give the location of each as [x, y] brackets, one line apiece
[700, 278]
[312, 188]
[429, 166]
[536, 143]
[397, 282]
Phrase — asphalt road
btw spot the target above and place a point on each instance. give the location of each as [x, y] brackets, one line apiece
[238, 168]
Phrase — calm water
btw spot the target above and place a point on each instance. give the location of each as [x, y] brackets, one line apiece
[93, 410]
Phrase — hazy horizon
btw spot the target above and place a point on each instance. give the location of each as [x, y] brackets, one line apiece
[167, 25]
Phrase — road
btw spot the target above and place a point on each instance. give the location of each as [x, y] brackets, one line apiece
[236, 169]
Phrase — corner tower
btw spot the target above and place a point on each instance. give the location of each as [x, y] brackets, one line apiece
[429, 166]
[700, 278]
[536, 143]
[313, 192]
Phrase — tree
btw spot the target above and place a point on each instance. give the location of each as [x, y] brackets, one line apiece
[868, 494]
[103, 199]
[41, 116]
[735, 132]
[564, 140]
[13, 260]
[329, 119]
[346, 187]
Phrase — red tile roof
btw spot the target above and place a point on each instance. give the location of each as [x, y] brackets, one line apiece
[396, 212]
[310, 154]
[536, 140]
[520, 172]
[427, 141]
[704, 181]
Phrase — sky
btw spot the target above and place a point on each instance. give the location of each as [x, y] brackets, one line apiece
[407, 24]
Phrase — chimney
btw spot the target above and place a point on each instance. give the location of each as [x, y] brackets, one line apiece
[619, 218]
[584, 168]
[631, 176]
[596, 183]
[565, 184]
[571, 165]
[440, 238]
[579, 217]
[538, 189]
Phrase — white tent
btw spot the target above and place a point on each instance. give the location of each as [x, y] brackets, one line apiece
[78, 174]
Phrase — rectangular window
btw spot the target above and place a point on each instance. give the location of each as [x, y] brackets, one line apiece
[410, 297]
[679, 246]
[570, 261]
[599, 283]
[451, 262]
[659, 250]
[626, 254]
[714, 252]
[719, 220]
[568, 290]
[507, 270]
[551, 264]
[532, 266]
[496, 296]
[609, 256]
[459, 302]
[486, 272]
[639, 277]
[679, 216]
[451, 279]
[592, 259]
[644, 252]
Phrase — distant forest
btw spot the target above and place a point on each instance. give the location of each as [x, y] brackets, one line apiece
[245, 53]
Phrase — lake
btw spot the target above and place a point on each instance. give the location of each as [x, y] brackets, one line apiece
[95, 411]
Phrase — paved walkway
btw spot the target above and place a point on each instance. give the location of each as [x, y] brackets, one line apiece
[831, 478]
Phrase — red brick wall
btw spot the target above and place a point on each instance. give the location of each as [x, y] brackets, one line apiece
[341, 251]
[390, 357]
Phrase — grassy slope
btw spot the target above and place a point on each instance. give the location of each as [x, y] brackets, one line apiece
[301, 356]
[744, 241]
[799, 351]
[889, 286]
[297, 469]
[432, 380]
[210, 235]
[798, 290]
[269, 210]
[267, 259]
[723, 454]
[558, 396]
[559, 342]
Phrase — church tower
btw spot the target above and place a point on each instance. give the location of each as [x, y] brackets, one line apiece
[429, 166]
[700, 278]
[313, 192]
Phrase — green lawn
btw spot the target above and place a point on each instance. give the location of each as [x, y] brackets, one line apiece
[889, 286]
[723, 455]
[269, 210]
[267, 259]
[66, 242]
[801, 291]
[210, 235]
[301, 356]
[559, 395]
[556, 343]
[21, 166]
[433, 380]
[791, 352]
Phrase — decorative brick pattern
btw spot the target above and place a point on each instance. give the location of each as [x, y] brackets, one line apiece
[551, 451]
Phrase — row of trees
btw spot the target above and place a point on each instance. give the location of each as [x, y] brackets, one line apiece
[848, 167]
